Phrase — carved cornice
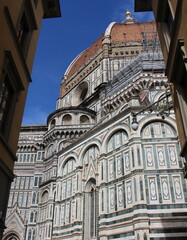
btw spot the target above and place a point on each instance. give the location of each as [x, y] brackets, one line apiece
[132, 90]
[78, 109]
[61, 132]
[144, 73]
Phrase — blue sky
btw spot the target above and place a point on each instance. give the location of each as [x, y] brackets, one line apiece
[61, 40]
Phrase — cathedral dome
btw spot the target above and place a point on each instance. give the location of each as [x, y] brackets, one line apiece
[127, 31]
[84, 57]
[119, 41]
[133, 32]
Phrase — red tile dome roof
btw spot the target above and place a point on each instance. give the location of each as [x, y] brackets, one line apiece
[117, 32]
[84, 57]
[130, 32]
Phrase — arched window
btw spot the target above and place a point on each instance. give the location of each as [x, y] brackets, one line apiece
[35, 217]
[12, 237]
[37, 197]
[84, 119]
[67, 119]
[33, 234]
[145, 236]
[53, 123]
[158, 130]
[141, 189]
[32, 157]
[138, 236]
[61, 146]
[91, 206]
[44, 197]
[80, 93]
[92, 153]
[93, 227]
[31, 217]
[102, 199]
[157, 153]
[50, 211]
[83, 94]
[49, 231]
[69, 166]
[34, 198]
[50, 150]
[117, 140]
[29, 237]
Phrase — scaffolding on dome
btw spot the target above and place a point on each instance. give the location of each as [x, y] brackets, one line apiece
[150, 40]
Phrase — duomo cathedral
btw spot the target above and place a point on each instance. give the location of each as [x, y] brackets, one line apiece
[106, 165]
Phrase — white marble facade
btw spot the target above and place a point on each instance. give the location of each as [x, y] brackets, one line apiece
[87, 174]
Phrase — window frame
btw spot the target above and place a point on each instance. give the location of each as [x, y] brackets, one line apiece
[166, 17]
[28, 16]
[6, 100]
[11, 76]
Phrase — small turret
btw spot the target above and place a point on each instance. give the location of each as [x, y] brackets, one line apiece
[129, 19]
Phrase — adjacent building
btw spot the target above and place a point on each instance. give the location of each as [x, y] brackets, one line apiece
[170, 17]
[20, 23]
[92, 172]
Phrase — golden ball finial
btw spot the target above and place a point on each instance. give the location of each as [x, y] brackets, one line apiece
[128, 14]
